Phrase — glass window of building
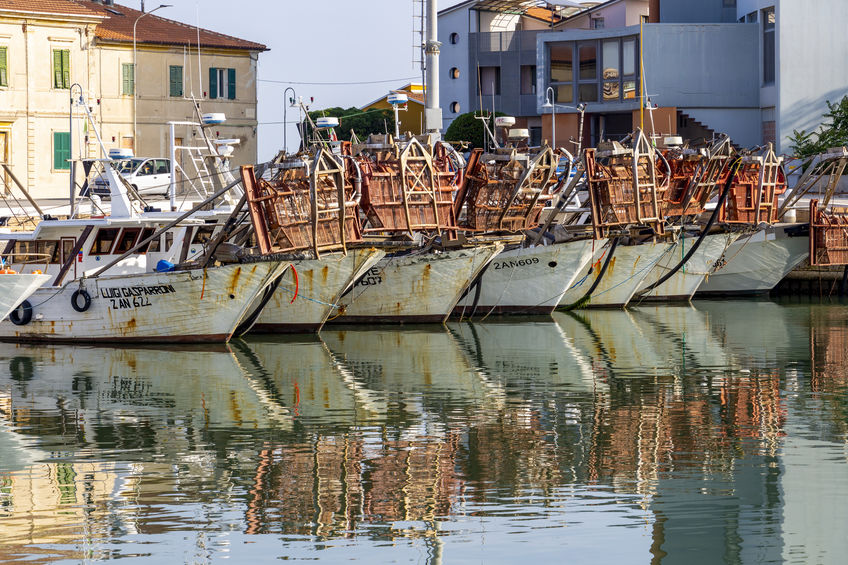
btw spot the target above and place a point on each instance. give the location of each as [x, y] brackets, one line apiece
[528, 79]
[768, 46]
[612, 70]
[490, 81]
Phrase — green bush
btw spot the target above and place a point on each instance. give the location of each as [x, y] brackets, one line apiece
[466, 127]
[832, 134]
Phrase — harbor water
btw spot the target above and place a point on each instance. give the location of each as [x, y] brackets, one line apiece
[708, 433]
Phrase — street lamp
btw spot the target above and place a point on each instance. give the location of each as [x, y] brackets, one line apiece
[549, 103]
[135, 83]
[291, 102]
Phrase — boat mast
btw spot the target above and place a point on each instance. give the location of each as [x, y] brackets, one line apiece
[432, 111]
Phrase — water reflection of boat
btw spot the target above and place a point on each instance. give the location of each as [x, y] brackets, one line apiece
[536, 352]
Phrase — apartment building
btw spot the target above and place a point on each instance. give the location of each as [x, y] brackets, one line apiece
[136, 70]
[754, 69]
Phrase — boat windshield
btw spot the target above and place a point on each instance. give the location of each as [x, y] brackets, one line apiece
[127, 166]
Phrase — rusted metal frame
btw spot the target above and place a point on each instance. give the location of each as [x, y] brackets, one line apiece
[462, 192]
[405, 157]
[589, 159]
[254, 205]
[527, 178]
[69, 260]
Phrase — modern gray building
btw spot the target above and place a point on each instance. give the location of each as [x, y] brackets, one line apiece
[754, 69]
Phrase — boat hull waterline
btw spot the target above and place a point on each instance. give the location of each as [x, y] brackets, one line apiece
[188, 306]
[683, 284]
[527, 280]
[320, 285]
[628, 267]
[418, 287]
[15, 288]
[757, 263]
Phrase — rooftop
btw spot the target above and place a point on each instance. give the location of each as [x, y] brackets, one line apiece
[48, 8]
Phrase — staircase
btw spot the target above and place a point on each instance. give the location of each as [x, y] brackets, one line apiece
[692, 130]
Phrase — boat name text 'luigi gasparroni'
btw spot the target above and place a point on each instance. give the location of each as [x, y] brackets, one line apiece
[120, 296]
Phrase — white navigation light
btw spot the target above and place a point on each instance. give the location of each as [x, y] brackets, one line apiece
[673, 141]
[327, 122]
[519, 133]
[504, 121]
[213, 118]
[397, 99]
[121, 153]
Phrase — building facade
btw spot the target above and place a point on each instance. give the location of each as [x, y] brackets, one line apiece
[754, 69]
[137, 71]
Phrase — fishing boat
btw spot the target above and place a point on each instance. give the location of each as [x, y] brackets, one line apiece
[504, 190]
[180, 306]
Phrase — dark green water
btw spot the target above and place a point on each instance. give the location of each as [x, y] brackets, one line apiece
[709, 434]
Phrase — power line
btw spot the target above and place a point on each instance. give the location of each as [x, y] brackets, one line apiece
[335, 83]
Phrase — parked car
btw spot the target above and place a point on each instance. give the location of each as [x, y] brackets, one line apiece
[149, 177]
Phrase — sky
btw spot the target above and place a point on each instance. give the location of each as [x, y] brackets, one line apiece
[312, 41]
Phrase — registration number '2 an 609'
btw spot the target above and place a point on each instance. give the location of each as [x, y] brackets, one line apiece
[517, 263]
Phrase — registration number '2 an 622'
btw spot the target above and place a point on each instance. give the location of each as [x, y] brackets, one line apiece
[517, 263]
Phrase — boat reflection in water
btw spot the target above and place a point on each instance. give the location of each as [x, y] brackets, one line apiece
[697, 438]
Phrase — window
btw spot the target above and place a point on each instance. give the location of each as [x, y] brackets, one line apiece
[127, 240]
[454, 72]
[612, 70]
[751, 18]
[61, 150]
[145, 233]
[768, 46]
[588, 57]
[607, 70]
[729, 3]
[562, 71]
[61, 68]
[454, 107]
[454, 38]
[175, 81]
[597, 23]
[528, 79]
[4, 74]
[127, 79]
[222, 83]
[148, 168]
[490, 81]
[104, 240]
[203, 235]
[162, 167]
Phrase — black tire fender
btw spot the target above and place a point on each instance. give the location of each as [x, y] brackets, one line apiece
[22, 315]
[86, 300]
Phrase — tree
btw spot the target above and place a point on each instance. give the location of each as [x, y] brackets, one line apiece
[832, 134]
[467, 127]
[363, 123]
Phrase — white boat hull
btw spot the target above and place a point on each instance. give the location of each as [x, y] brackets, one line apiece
[683, 284]
[321, 283]
[628, 267]
[527, 280]
[420, 287]
[173, 307]
[15, 288]
[757, 263]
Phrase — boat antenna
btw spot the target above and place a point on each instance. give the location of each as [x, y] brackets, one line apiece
[197, 28]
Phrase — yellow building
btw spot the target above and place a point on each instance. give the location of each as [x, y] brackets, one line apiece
[411, 120]
[48, 46]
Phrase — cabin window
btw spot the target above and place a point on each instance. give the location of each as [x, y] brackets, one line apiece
[175, 80]
[145, 233]
[222, 83]
[39, 251]
[768, 46]
[490, 81]
[528, 79]
[169, 241]
[61, 150]
[203, 234]
[126, 240]
[127, 79]
[103, 242]
[61, 68]
[4, 73]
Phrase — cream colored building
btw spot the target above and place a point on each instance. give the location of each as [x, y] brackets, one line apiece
[47, 46]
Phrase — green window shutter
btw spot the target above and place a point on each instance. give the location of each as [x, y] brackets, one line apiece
[176, 81]
[4, 81]
[128, 80]
[66, 68]
[61, 150]
[231, 84]
[57, 69]
[213, 82]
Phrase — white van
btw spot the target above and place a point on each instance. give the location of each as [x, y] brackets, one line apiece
[149, 177]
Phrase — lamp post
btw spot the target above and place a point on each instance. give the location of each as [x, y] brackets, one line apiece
[135, 83]
[72, 167]
[291, 102]
[549, 103]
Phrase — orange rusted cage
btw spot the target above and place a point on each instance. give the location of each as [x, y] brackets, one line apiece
[407, 187]
[624, 189]
[693, 177]
[506, 191]
[828, 236]
[753, 195]
[307, 205]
